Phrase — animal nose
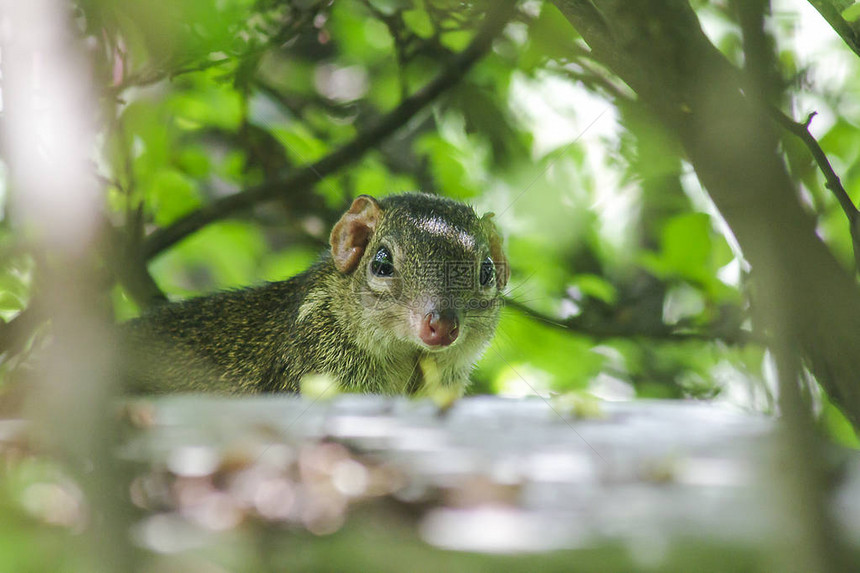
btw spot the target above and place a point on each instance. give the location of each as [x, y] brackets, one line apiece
[439, 328]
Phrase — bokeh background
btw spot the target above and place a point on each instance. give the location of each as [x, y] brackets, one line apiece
[229, 135]
[626, 282]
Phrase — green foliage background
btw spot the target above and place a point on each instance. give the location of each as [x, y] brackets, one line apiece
[626, 282]
[623, 277]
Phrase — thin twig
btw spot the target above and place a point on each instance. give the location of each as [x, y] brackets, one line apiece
[801, 130]
[151, 76]
[832, 181]
[304, 178]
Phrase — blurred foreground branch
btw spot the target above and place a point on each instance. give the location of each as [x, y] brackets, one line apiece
[815, 542]
[48, 136]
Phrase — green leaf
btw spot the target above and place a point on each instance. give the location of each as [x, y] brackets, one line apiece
[456, 41]
[193, 161]
[389, 7]
[148, 139]
[377, 35]
[685, 249]
[553, 358]
[10, 303]
[232, 167]
[385, 91]
[485, 114]
[300, 144]
[852, 13]
[419, 22]
[839, 428]
[124, 307]
[222, 255]
[596, 287]
[362, 38]
[14, 283]
[686, 242]
[172, 195]
[216, 106]
[371, 178]
[550, 36]
[446, 164]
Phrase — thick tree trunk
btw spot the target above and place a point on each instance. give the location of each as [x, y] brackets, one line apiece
[658, 48]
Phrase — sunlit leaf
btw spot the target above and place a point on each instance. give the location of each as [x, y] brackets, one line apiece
[210, 107]
[839, 428]
[299, 143]
[852, 13]
[596, 287]
[223, 255]
[171, 196]
[389, 7]
[419, 22]
[456, 41]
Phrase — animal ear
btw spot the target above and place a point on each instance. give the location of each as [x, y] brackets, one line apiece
[350, 235]
[503, 270]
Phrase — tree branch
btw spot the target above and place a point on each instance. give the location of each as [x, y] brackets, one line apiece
[816, 544]
[605, 330]
[832, 12]
[832, 181]
[172, 69]
[128, 268]
[306, 177]
[149, 76]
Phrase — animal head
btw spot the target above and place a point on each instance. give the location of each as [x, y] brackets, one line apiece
[428, 271]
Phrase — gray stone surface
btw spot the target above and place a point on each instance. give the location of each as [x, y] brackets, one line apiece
[489, 474]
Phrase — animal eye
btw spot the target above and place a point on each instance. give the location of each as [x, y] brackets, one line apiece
[382, 264]
[488, 272]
